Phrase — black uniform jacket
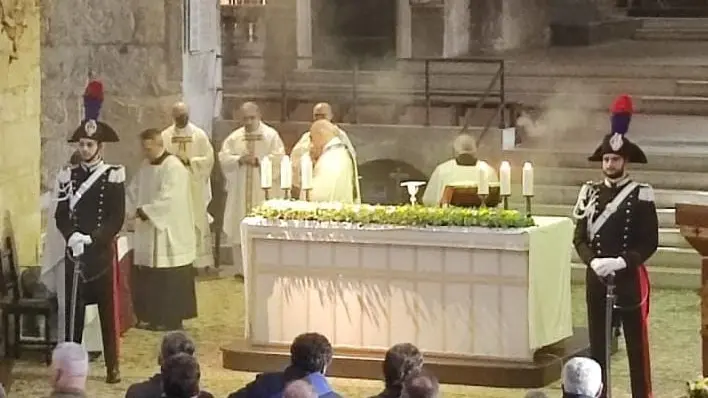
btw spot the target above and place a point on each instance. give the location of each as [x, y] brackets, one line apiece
[99, 213]
[631, 232]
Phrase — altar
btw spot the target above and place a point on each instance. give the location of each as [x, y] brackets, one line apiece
[484, 305]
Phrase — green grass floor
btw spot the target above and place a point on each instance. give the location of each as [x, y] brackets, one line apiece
[675, 349]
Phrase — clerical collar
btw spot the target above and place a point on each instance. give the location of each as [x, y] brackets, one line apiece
[617, 182]
[466, 159]
[160, 159]
[90, 167]
[182, 130]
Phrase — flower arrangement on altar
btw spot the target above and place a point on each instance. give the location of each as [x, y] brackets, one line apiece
[407, 215]
[697, 388]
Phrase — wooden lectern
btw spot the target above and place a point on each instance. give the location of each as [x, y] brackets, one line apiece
[466, 196]
[693, 222]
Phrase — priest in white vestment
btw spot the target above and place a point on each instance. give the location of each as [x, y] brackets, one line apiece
[462, 169]
[191, 145]
[321, 111]
[333, 178]
[52, 275]
[240, 158]
[160, 200]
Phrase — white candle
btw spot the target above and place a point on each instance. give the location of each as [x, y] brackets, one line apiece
[266, 173]
[483, 182]
[505, 179]
[306, 172]
[286, 173]
[527, 179]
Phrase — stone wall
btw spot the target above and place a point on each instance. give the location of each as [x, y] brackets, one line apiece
[503, 25]
[19, 116]
[133, 46]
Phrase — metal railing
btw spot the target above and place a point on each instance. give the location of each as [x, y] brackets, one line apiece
[494, 95]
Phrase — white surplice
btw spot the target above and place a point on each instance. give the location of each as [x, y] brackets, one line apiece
[267, 142]
[201, 160]
[163, 192]
[303, 146]
[451, 173]
[333, 179]
[53, 277]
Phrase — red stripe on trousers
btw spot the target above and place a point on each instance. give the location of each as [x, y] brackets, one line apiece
[644, 291]
[116, 297]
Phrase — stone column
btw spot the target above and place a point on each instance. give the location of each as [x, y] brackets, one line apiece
[304, 32]
[456, 39]
[404, 43]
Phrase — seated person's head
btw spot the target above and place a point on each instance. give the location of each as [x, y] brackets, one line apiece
[180, 376]
[70, 366]
[582, 378]
[420, 385]
[401, 361]
[299, 389]
[175, 343]
[310, 353]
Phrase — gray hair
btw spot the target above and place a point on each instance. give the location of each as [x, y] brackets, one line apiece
[71, 361]
[464, 144]
[299, 389]
[582, 376]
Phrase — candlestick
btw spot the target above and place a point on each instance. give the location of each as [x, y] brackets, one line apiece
[483, 182]
[505, 179]
[266, 193]
[527, 179]
[505, 201]
[528, 205]
[286, 173]
[266, 173]
[307, 195]
[286, 194]
[306, 172]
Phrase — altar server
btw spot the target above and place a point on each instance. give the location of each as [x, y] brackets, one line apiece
[462, 169]
[191, 145]
[616, 233]
[334, 176]
[240, 157]
[321, 111]
[160, 200]
[90, 214]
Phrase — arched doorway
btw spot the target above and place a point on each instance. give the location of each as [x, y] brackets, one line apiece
[381, 181]
[345, 32]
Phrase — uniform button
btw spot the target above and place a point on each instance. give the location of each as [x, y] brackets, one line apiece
[599, 252]
[626, 228]
[628, 211]
[100, 202]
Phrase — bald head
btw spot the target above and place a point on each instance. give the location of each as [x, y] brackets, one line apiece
[70, 365]
[322, 111]
[250, 116]
[180, 114]
[299, 389]
[465, 144]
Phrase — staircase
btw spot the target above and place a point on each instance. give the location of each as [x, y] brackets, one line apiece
[674, 29]
[676, 177]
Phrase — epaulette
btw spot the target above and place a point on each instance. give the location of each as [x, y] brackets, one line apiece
[64, 175]
[117, 174]
[646, 193]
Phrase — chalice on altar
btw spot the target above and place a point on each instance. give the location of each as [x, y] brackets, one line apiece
[413, 187]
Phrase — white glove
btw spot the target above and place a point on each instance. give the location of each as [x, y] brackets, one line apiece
[77, 248]
[86, 239]
[607, 266]
[75, 237]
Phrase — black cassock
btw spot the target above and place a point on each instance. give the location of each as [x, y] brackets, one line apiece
[631, 231]
[99, 213]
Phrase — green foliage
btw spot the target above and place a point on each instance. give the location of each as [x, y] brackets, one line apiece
[697, 388]
[420, 216]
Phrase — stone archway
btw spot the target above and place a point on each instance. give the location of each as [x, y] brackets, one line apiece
[381, 178]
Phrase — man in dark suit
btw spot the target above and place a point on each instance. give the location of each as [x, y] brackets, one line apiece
[401, 361]
[172, 344]
[310, 355]
[90, 215]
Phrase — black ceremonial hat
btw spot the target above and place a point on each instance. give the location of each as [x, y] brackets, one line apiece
[91, 128]
[619, 145]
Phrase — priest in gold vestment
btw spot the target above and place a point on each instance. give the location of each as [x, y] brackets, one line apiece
[462, 169]
[160, 200]
[191, 145]
[334, 176]
[321, 111]
[240, 158]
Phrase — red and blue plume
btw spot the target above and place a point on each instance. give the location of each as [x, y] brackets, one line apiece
[622, 110]
[93, 100]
